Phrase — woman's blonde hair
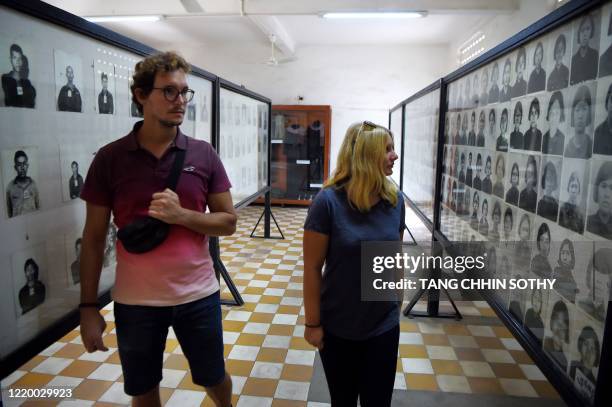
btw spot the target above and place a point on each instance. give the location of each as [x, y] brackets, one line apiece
[359, 169]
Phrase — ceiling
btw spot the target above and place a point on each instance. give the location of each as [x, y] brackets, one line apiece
[294, 22]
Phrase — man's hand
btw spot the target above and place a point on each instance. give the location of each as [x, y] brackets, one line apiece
[166, 207]
[314, 336]
[92, 327]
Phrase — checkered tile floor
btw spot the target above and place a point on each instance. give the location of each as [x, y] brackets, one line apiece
[270, 362]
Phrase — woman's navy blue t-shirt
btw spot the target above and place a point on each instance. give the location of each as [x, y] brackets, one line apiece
[343, 313]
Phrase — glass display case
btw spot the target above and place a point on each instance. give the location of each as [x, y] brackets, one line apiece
[300, 152]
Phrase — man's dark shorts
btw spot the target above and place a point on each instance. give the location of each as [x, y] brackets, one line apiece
[142, 332]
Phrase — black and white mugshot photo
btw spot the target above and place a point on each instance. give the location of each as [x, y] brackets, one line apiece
[73, 243]
[599, 220]
[602, 138]
[559, 59]
[585, 48]
[566, 255]
[605, 60]
[528, 195]
[501, 142]
[593, 300]
[573, 190]
[548, 191]
[533, 135]
[20, 175]
[110, 247]
[17, 87]
[557, 325]
[513, 177]
[554, 114]
[105, 88]
[69, 81]
[517, 137]
[537, 77]
[579, 143]
[505, 92]
[29, 272]
[537, 300]
[540, 262]
[586, 355]
[494, 83]
[519, 87]
[74, 161]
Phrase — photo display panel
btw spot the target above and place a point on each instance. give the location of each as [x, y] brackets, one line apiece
[243, 143]
[396, 129]
[420, 150]
[527, 177]
[64, 95]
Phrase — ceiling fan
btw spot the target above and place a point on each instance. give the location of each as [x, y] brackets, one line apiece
[273, 60]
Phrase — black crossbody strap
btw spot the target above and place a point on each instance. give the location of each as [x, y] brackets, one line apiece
[177, 168]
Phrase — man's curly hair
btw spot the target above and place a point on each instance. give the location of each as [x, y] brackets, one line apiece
[145, 71]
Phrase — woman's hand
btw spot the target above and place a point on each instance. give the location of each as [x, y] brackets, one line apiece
[314, 336]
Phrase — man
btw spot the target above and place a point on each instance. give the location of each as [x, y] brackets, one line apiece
[174, 284]
[22, 192]
[76, 264]
[75, 181]
[105, 98]
[69, 99]
[33, 293]
[18, 90]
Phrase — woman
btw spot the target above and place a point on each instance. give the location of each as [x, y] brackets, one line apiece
[559, 76]
[600, 222]
[598, 282]
[565, 284]
[475, 205]
[500, 172]
[516, 137]
[508, 225]
[586, 59]
[480, 137]
[462, 169]
[540, 264]
[486, 182]
[357, 204]
[523, 246]
[537, 79]
[494, 90]
[484, 81]
[477, 183]
[18, 90]
[581, 145]
[457, 139]
[469, 173]
[548, 206]
[501, 144]
[496, 217]
[528, 197]
[559, 327]
[603, 134]
[512, 196]
[504, 93]
[464, 130]
[483, 225]
[471, 139]
[533, 316]
[588, 347]
[554, 139]
[492, 124]
[533, 136]
[520, 85]
[570, 214]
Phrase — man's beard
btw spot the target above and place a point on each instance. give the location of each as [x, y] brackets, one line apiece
[170, 124]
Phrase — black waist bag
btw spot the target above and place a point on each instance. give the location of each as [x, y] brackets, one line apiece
[146, 233]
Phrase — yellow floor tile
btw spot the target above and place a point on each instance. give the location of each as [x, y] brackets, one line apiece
[545, 389]
[239, 367]
[270, 299]
[260, 387]
[288, 403]
[80, 368]
[261, 317]
[408, 327]
[413, 351]
[91, 389]
[70, 351]
[281, 330]
[233, 326]
[171, 344]
[297, 373]
[485, 386]
[32, 363]
[177, 362]
[421, 382]
[32, 380]
[446, 367]
[250, 339]
[188, 384]
[272, 355]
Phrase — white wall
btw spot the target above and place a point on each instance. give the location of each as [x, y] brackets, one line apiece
[498, 28]
[359, 82]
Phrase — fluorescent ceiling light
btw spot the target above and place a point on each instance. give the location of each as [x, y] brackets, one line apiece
[116, 19]
[373, 15]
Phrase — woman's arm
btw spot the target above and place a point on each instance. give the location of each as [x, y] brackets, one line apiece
[315, 251]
